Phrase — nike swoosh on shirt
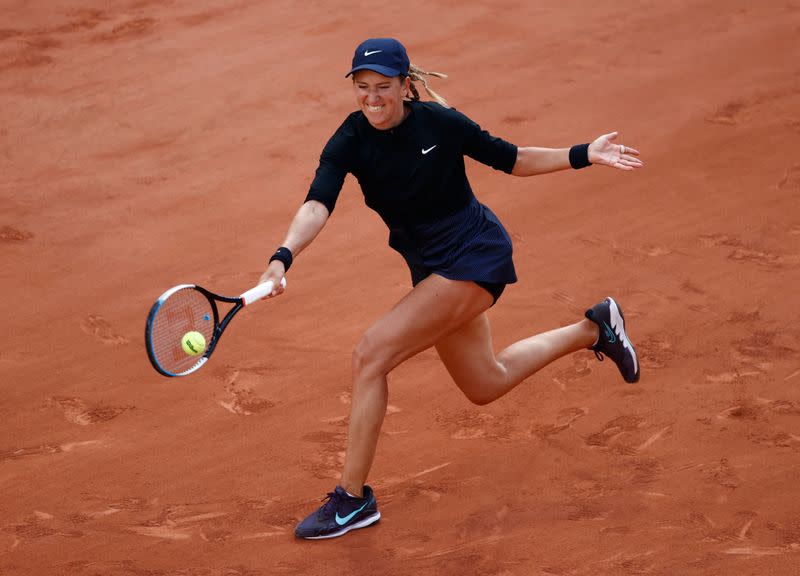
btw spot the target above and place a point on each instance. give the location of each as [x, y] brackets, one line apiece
[342, 521]
[424, 151]
[371, 52]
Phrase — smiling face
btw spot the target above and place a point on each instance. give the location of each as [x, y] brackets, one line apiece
[380, 98]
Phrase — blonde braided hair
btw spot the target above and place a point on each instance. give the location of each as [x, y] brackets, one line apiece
[417, 74]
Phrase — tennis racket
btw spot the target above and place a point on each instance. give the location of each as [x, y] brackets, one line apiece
[186, 308]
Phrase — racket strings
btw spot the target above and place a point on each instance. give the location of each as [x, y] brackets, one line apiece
[183, 311]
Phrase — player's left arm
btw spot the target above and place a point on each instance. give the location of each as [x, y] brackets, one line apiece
[532, 161]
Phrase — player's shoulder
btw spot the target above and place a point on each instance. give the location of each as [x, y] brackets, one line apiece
[429, 107]
[435, 111]
[351, 122]
[348, 130]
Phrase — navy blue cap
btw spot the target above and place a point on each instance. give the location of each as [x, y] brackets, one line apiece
[382, 55]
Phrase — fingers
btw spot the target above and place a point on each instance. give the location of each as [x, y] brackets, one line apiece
[628, 163]
[628, 157]
[275, 273]
[623, 148]
[631, 160]
[277, 291]
[279, 287]
[619, 156]
[278, 283]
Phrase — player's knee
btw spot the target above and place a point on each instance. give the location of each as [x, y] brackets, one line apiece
[481, 384]
[368, 357]
[478, 397]
[479, 389]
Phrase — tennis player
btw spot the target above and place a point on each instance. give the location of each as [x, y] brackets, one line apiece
[408, 157]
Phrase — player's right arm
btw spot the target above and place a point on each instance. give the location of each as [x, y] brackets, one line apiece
[335, 162]
[306, 225]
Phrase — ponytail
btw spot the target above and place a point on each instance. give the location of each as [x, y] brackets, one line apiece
[417, 74]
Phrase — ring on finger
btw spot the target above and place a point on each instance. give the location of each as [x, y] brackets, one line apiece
[621, 149]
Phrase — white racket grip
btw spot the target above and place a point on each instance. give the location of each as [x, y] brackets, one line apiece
[257, 293]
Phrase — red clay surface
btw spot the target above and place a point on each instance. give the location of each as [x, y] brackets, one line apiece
[146, 144]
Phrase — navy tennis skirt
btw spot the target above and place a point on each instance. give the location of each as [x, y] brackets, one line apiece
[470, 244]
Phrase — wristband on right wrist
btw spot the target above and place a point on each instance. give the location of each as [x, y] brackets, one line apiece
[579, 156]
[283, 254]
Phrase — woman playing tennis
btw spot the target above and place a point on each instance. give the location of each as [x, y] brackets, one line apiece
[408, 157]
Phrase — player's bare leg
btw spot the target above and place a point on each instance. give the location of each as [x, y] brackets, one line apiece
[450, 315]
[432, 310]
[483, 377]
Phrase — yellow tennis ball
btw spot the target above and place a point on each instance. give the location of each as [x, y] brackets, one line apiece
[193, 343]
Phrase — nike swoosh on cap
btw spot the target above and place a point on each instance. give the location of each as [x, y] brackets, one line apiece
[371, 52]
[424, 151]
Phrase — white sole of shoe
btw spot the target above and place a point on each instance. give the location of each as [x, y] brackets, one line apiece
[618, 325]
[360, 524]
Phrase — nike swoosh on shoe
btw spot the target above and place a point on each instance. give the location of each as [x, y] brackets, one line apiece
[342, 521]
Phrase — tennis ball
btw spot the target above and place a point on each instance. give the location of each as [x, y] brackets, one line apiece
[193, 343]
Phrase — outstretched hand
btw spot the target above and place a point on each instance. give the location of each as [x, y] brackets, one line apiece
[605, 151]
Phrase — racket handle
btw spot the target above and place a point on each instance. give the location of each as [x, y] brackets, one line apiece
[259, 292]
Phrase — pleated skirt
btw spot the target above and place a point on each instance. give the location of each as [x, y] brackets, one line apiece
[470, 244]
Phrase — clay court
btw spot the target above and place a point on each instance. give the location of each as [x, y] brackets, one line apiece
[145, 144]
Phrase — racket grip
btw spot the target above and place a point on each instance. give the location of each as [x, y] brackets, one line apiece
[259, 292]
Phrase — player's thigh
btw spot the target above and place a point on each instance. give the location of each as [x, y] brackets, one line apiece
[469, 357]
[433, 309]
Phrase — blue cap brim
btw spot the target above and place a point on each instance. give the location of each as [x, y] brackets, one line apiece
[385, 70]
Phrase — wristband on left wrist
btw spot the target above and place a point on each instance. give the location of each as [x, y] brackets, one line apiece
[579, 156]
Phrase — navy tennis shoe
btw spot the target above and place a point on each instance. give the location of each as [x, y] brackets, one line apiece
[340, 514]
[613, 340]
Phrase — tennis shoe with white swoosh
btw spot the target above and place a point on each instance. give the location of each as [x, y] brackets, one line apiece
[340, 514]
[613, 340]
